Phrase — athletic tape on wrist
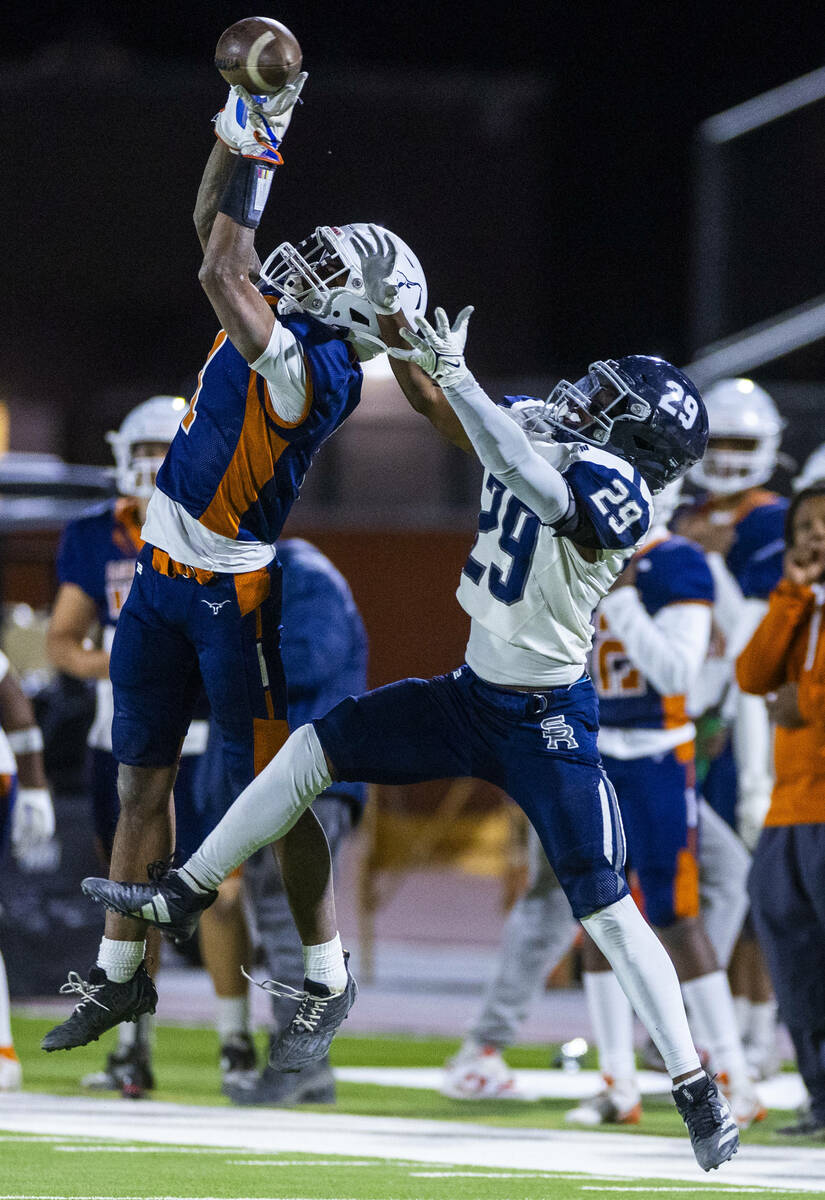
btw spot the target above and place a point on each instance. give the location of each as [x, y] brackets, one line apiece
[26, 741]
[246, 192]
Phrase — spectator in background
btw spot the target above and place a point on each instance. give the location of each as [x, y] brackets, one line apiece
[26, 813]
[324, 651]
[785, 660]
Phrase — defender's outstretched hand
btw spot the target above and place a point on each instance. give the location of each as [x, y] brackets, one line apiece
[254, 126]
[439, 351]
[378, 261]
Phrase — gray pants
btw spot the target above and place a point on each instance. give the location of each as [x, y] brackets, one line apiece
[270, 908]
[723, 875]
[537, 934]
[540, 928]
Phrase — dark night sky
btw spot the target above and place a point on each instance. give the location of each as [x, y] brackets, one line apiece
[628, 85]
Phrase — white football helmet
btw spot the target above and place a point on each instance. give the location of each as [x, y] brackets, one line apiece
[738, 409]
[666, 502]
[322, 276]
[813, 471]
[154, 421]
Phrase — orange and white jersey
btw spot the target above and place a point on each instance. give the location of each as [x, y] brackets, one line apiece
[649, 645]
[239, 458]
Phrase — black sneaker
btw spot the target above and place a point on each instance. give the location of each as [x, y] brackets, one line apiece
[104, 1005]
[130, 1065]
[238, 1062]
[136, 1081]
[166, 902]
[309, 1034]
[713, 1132]
[314, 1084]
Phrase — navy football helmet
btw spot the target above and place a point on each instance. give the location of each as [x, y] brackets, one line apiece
[642, 409]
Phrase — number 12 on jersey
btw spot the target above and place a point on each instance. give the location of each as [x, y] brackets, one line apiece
[518, 530]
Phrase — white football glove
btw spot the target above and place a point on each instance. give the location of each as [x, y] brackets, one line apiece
[32, 820]
[378, 263]
[438, 352]
[254, 126]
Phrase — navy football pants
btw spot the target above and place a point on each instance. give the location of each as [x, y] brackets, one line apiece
[539, 748]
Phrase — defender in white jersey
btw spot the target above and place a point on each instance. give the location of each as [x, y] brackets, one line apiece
[550, 544]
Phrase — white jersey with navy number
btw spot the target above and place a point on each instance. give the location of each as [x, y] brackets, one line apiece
[531, 592]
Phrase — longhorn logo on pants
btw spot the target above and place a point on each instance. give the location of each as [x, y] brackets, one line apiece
[557, 733]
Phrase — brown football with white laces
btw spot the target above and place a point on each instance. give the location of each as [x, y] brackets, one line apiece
[258, 53]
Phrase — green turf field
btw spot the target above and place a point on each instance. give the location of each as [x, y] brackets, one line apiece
[90, 1169]
[52, 1166]
[186, 1068]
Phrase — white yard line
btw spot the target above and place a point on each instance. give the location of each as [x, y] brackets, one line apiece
[785, 1090]
[625, 1156]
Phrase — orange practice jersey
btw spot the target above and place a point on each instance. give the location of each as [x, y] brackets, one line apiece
[789, 647]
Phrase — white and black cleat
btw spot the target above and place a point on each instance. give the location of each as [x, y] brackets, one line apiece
[167, 902]
[714, 1134]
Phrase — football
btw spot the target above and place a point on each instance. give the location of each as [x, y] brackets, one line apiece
[259, 54]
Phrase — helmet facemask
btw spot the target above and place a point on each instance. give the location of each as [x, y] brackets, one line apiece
[140, 445]
[728, 469]
[587, 409]
[312, 273]
[322, 276]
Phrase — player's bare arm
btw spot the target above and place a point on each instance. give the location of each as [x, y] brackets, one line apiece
[16, 717]
[212, 186]
[225, 277]
[422, 394]
[73, 615]
[232, 195]
[378, 258]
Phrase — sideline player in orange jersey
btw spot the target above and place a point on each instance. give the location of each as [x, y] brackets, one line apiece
[205, 605]
[785, 660]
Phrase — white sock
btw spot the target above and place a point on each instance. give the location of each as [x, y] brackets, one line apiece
[5, 1007]
[231, 1016]
[648, 980]
[708, 999]
[264, 811]
[136, 1033]
[325, 964]
[742, 1009]
[763, 1024]
[120, 960]
[694, 1078]
[612, 1019]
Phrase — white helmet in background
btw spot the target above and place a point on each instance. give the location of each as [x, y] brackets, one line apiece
[813, 471]
[322, 276]
[154, 422]
[666, 502]
[738, 409]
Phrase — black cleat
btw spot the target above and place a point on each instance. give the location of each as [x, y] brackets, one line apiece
[714, 1134]
[167, 902]
[124, 1068]
[104, 1005]
[314, 1084]
[238, 1062]
[309, 1034]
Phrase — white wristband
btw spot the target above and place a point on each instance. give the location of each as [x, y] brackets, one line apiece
[26, 741]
